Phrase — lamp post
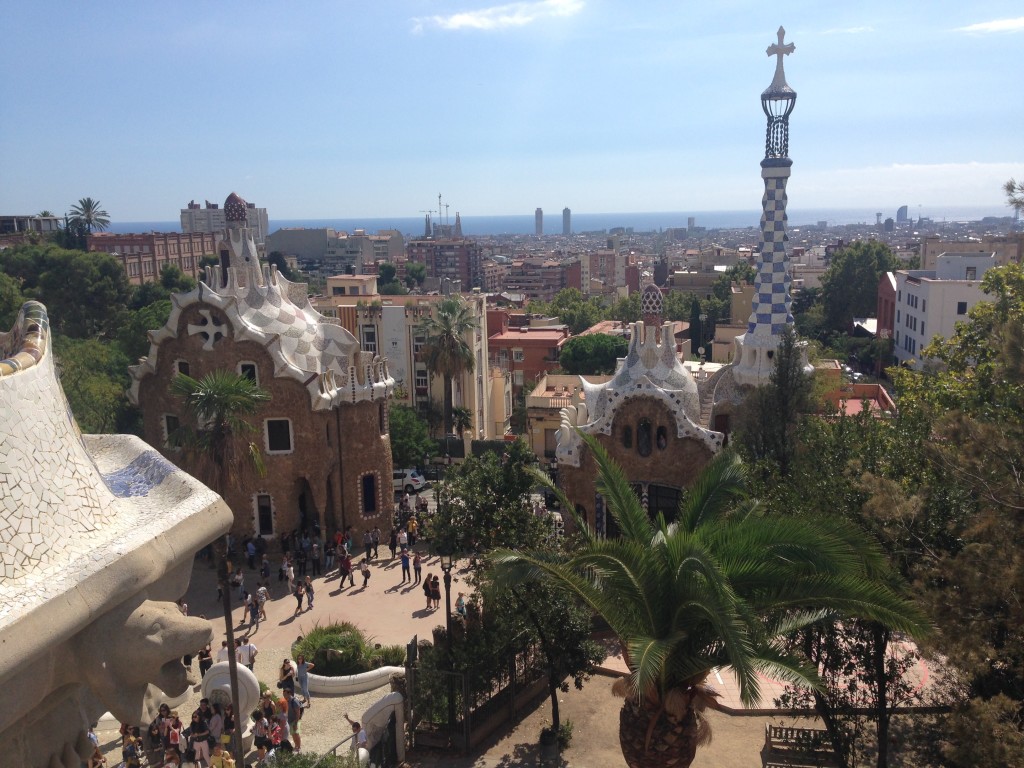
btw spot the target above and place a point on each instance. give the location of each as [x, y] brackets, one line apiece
[447, 563]
[700, 350]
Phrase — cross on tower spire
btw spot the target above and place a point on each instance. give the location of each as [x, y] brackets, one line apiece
[780, 49]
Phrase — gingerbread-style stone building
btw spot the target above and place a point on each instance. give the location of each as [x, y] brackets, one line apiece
[648, 419]
[324, 430]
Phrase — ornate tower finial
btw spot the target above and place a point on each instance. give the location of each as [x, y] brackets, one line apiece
[772, 306]
[778, 101]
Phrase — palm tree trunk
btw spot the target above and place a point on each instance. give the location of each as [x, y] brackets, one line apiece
[448, 394]
[229, 630]
[673, 744]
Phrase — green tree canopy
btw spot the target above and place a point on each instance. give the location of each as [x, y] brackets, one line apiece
[570, 306]
[11, 300]
[94, 376]
[278, 260]
[592, 354]
[849, 287]
[410, 437]
[415, 273]
[485, 502]
[768, 419]
[85, 294]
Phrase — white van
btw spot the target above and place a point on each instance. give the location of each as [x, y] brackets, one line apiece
[408, 480]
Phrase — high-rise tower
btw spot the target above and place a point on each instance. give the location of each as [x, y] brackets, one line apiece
[538, 222]
[566, 222]
[772, 305]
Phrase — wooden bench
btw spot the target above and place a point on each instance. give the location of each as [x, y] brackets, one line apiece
[789, 747]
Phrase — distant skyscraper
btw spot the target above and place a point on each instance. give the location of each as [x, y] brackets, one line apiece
[901, 215]
[566, 222]
[771, 312]
[458, 225]
[538, 221]
[691, 222]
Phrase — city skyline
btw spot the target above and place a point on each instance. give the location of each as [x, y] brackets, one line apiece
[321, 110]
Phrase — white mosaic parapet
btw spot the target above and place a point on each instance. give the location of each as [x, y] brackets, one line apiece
[263, 307]
[95, 531]
[651, 369]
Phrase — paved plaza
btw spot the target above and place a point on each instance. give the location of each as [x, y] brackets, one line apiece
[393, 613]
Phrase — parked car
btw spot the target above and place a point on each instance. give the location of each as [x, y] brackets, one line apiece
[408, 480]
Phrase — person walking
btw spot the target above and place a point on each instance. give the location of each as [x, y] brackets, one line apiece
[364, 570]
[393, 543]
[309, 592]
[375, 538]
[262, 595]
[298, 594]
[367, 544]
[345, 569]
[417, 567]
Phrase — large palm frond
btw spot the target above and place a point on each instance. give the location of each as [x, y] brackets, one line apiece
[217, 444]
[90, 213]
[445, 350]
[720, 587]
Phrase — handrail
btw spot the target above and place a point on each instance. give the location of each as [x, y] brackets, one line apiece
[333, 751]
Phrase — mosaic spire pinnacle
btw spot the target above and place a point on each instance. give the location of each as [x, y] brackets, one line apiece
[777, 101]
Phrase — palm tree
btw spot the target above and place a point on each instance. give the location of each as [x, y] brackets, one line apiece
[89, 214]
[218, 451]
[462, 419]
[721, 586]
[446, 351]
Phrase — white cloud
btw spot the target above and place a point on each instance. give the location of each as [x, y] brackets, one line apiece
[848, 31]
[501, 16]
[999, 25]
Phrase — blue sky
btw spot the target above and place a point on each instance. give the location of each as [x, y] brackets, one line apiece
[348, 108]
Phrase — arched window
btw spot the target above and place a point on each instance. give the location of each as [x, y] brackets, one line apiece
[643, 437]
[627, 437]
[662, 438]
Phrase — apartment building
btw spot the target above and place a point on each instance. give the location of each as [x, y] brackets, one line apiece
[143, 256]
[929, 302]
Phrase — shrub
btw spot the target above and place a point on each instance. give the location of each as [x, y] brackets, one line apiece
[313, 760]
[342, 649]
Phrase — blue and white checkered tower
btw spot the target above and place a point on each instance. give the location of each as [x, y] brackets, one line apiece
[772, 305]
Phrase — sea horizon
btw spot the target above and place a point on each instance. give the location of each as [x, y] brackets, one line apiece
[523, 224]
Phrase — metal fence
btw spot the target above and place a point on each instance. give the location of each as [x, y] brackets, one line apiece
[459, 708]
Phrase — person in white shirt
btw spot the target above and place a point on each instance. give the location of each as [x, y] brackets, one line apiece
[222, 654]
[360, 740]
[247, 653]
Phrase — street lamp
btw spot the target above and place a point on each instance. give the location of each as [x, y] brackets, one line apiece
[700, 350]
[447, 563]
